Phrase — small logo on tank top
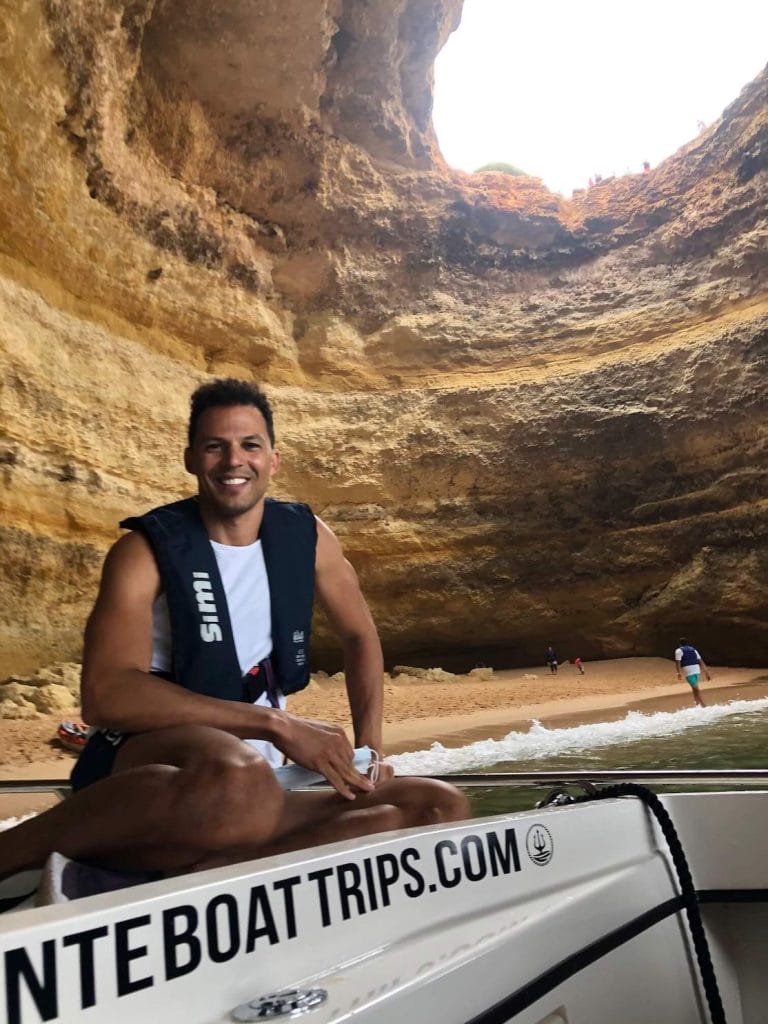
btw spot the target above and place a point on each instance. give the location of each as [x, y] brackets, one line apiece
[210, 630]
[298, 636]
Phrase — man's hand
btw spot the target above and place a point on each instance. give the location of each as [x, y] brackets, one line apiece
[322, 748]
[379, 770]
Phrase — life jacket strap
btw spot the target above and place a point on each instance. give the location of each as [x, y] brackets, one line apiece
[260, 680]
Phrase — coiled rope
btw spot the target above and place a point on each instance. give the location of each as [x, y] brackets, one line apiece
[685, 880]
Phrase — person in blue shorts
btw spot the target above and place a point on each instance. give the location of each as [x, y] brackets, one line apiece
[690, 664]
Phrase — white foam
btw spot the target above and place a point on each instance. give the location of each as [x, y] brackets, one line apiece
[10, 822]
[540, 743]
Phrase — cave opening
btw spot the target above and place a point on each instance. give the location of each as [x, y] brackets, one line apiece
[569, 92]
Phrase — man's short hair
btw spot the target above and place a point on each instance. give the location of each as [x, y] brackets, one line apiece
[683, 641]
[224, 393]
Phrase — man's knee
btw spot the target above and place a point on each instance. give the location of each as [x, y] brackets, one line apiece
[239, 798]
[430, 801]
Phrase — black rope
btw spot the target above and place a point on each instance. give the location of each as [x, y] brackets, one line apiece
[687, 889]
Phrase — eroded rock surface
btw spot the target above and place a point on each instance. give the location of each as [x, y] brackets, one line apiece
[530, 419]
[50, 690]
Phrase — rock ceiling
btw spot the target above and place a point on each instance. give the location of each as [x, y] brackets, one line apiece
[529, 419]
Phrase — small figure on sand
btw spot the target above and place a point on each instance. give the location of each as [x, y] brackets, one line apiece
[551, 659]
[690, 663]
[578, 663]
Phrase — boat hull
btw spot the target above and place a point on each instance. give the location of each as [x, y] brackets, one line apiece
[564, 915]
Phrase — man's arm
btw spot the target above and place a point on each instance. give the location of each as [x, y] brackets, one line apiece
[704, 669]
[339, 594]
[678, 662]
[119, 692]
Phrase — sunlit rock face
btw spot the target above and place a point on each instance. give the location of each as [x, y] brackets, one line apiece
[529, 419]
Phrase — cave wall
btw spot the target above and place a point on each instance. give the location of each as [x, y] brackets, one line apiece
[529, 419]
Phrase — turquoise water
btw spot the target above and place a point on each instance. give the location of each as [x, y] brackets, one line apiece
[733, 735]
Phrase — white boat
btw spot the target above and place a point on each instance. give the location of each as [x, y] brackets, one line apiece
[567, 914]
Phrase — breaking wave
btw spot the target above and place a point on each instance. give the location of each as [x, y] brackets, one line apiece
[540, 743]
[10, 822]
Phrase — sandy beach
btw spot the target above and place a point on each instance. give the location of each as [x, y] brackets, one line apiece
[418, 712]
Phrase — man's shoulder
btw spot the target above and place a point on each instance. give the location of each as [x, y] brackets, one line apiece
[131, 547]
[130, 563]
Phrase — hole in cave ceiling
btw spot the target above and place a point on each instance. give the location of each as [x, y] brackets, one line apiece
[566, 91]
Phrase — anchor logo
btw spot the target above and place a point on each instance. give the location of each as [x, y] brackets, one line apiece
[539, 844]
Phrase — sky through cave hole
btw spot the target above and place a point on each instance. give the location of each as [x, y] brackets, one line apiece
[566, 90]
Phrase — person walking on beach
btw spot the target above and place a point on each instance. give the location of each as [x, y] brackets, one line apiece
[578, 663]
[690, 664]
[200, 630]
[551, 659]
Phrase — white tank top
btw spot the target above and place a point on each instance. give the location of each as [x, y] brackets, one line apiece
[244, 577]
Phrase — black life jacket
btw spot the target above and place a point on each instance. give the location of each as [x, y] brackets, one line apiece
[688, 656]
[204, 658]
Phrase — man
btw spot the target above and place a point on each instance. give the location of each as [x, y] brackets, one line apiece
[551, 658]
[199, 630]
[689, 662]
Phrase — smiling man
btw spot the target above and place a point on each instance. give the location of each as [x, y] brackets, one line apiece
[200, 631]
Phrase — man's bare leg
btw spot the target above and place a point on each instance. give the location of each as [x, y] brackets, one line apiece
[313, 819]
[398, 803]
[416, 801]
[193, 792]
[186, 798]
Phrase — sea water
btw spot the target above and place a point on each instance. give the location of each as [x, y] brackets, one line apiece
[732, 735]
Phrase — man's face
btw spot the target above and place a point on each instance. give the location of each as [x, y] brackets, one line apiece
[232, 458]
